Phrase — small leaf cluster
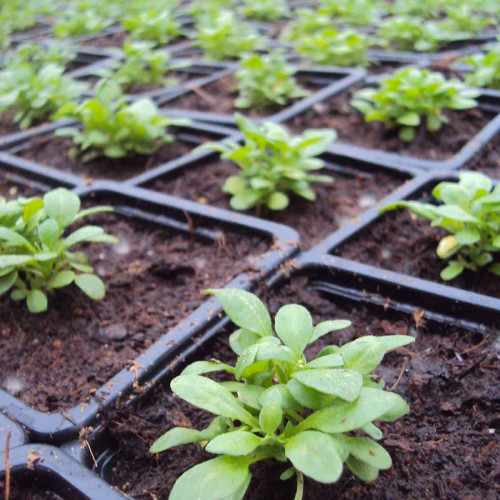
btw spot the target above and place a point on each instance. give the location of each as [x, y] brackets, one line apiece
[413, 34]
[140, 64]
[223, 36]
[283, 406]
[36, 93]
[266, 80]
[35, 255]
[157, 26]
[353, 12]
[112, 127]
[306, 22]
[412, 98]
[334, 48]
[273, 164]
[20, 15]
[83, 18]
[471, 214]
[38, 54]
[265, 10]
[486, 68]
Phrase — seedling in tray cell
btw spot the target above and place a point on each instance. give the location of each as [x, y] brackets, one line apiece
[266, 80]
[486, 68]
[306, 22]
[354, 12]
[273, 164]
[334, 48]
[222, 36]
[112, 127]
[413, 99]
[141, 65]
[36, 93]
[159, 27]
[35, 258]
[284, 407]
[265, 10]
[471, 213]
[38, 55]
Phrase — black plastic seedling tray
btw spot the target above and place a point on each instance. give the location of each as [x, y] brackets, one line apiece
[12, 145]
[55, 474]
[460, 303]
[332, 81]
[329, 277]
[161, 211]
[12, 433]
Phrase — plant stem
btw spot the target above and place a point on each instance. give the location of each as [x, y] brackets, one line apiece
[300, 486]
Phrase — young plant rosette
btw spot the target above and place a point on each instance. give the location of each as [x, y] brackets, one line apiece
[283, 406]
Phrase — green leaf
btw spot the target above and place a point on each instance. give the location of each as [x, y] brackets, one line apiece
[345, 417]
[61, 279]
[36, 301]
[328, 361]
[241, 339]
[308, 397]
[210, 396]
[61, 205]
[222, 477]
[370, 452]
[244, 309]
[362, 470]
[411, 119]
[363, 354]
[397, 409]
[49, 232]
[176, 437]
[7, 281]
[235, 443]
[201, 367]
[326, 327]
[14, 260]
[278, 201]
[248, 394]
[91, 285]
[316, 455]
[13, 238]
[270, 417]
[85, 233]
[234, 185]
[345, 384]
[452, 270]
[293, 324]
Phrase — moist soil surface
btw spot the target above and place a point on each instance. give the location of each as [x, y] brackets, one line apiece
[403, 242]
[7, 124]
[487, 160]
[337, 113]
[443, 448]
[219, 97]
[336, 203]
[154, 278]
[19, 490]
[57, 153]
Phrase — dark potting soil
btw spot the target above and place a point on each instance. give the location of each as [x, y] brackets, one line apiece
[336, 204]
[7, 123]
[445, 447]
[403, 242]
[19, 490]
[337, 113]
[219, 96]
[487, 160]
[10, 190]
[154, 278]
[56, 153]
